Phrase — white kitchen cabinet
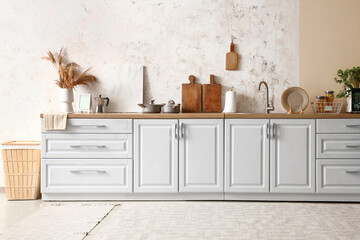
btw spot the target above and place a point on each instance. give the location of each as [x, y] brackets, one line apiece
[338, 176]
[156, 155]
[86, 176]
[351, 125]
[86, 146]
[338, 146]
[201, 155]
[292, 161]
[81, 125]
[247, 155]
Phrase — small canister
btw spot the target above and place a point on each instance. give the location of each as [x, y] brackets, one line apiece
[330, 95]
[320, 104]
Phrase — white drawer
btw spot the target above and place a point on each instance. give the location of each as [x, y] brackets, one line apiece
[338, 176]
[86, 146]
[338, 145]
[95, 126]
[86, 176]
[338, 125]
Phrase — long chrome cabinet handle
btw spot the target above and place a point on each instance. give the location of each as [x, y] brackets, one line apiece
[267, 131]
[353, 146]
[182, 130]
[88, 170]
[352, 171]
[272, 130]
[176, 130]
[91, 126]
[352, 125]
[87, 146]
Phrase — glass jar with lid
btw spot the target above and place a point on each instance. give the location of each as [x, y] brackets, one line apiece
[320, 105]
[330, 96]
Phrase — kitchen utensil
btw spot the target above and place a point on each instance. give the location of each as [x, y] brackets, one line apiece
[230, 102]
[171, 107]
[100, 103]
[191, 96]
[212, 96]
[151, 107]
[295, 100]
[231, 58]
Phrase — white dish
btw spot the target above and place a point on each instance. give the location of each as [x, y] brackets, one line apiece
[295, 100]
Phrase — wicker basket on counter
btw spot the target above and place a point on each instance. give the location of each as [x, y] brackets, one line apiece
[22, 169]
[327, 107]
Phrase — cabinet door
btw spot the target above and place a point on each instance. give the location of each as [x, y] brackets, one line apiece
[201, 155]
[156, 156]
[292, 161]
[247, 155]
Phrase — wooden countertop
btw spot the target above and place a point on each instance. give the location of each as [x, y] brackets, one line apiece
[209, 115]
[145, 115]
[290, 116]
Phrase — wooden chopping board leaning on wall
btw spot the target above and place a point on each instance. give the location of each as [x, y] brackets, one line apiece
[191, 96]
[212, 96]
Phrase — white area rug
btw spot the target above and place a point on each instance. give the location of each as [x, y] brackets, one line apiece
[230, 220]
[59, 221]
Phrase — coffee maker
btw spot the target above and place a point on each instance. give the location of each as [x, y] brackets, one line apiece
[101, 103]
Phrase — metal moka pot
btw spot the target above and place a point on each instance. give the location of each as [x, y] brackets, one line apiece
[101, 103]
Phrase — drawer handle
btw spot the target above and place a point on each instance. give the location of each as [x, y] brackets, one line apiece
[88, 170]
[352, 146]
[352, 125]
[91, 126]
[352, 171]
[87, 146]
[182, 130]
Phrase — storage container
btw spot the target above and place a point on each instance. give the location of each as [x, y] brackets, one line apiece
[22, 169]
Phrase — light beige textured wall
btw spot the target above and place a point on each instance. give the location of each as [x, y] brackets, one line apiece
[329, 40]
[172, 39]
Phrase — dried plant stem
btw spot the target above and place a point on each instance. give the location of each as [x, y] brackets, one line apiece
[69, 76]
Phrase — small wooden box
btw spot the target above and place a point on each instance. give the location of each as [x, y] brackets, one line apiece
[22, 169]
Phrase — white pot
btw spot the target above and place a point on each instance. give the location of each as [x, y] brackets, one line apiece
[66, 100]
[348, 104]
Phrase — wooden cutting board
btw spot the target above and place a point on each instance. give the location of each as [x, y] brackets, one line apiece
[191, 96]
[212, 96]
[231, 59]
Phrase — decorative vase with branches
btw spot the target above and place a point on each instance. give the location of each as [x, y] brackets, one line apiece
[70, 77]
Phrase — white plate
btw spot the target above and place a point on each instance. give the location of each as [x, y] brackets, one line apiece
[295, 99]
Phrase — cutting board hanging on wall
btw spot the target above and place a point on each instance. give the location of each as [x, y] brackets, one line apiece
[231, 59]
[212, 96]
[191, 96]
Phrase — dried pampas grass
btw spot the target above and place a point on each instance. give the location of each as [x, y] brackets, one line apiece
[69, 74]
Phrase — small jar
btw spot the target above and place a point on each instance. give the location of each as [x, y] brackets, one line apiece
[330, 96]
[320, 106]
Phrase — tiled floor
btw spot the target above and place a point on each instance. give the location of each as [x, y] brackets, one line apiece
[13, 211]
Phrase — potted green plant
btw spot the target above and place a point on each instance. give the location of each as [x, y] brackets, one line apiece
[350, 78]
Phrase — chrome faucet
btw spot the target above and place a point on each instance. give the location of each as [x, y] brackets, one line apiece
[268, 106]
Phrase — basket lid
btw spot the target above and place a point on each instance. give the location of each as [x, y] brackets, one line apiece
[21, 145]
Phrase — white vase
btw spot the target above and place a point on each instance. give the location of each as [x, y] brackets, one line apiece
[348, 104]
[66, 100]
